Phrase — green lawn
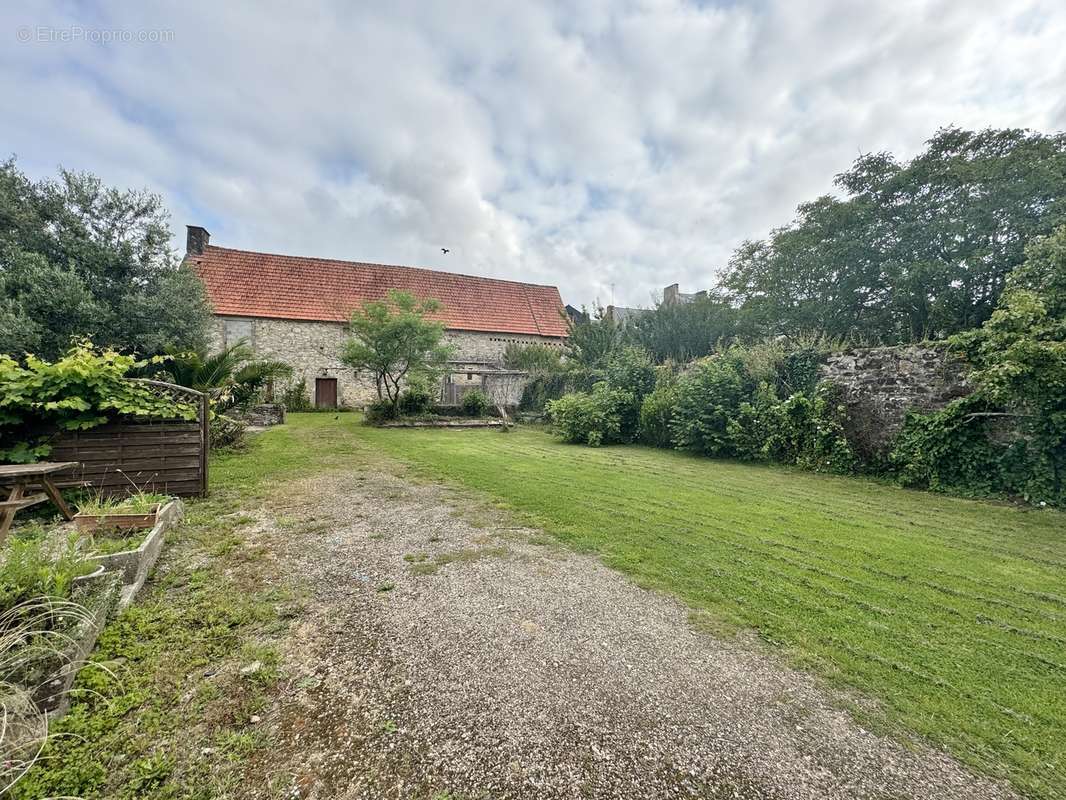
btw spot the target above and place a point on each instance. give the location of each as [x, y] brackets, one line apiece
[951, 612]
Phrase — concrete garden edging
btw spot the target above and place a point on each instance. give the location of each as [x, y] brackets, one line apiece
[53, 696]
[134, 565]
[445, 423]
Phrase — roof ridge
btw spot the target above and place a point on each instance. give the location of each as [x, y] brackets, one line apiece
[376, 264]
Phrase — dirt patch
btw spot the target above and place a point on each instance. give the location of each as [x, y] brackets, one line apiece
[442, 659]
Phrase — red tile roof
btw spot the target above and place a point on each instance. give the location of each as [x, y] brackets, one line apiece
[247, 284]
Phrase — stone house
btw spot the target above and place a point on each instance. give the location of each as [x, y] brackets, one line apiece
[296, 310]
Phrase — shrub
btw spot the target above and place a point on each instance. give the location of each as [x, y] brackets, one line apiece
[656, 414]
[809, 432]
[630, 370]
[593, 418]
[416, 400]
[1009, 436]
[295, 396]
[799, 371]
[380, 411]
[540, 389]
[751, 430]
[709, 396]
[475, 404]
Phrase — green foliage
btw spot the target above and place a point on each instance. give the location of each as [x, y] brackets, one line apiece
[475, 404]
[594, 418]
[610, 412]
[395, 341]
[709, 396]
[542, 388]
[137, 503]
[233, 376]
[950, 450]
[591, 343]
[914, 251]
[381, 411]
[30, 570]
[83, 389]
[809, 432]
[295, 396]
[536, 359]
[630, 370]
[657, 413]
[1009, 437]
[416, 399]
[78, 258]
[228, 433]
[727, 405]
[684, 331]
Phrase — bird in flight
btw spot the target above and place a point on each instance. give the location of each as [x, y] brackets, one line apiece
[445, 250]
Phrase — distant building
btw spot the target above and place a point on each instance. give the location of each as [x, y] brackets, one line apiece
[672, 295]
[576, 315]
[296, 310]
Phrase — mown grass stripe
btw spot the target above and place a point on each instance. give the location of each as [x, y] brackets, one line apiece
[948, 610]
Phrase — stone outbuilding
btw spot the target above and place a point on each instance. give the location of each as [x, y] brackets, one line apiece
[296, 310]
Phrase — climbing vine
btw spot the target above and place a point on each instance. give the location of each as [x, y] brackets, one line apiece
[85, 388]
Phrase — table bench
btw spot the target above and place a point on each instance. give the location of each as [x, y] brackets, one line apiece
[20, 478]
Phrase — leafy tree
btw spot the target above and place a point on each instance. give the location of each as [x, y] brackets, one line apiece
[915, 250]
[78, 258]
[683, 331]
[394, 341]
[591, 342]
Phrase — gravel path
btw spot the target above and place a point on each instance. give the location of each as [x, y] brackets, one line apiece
[440, 659]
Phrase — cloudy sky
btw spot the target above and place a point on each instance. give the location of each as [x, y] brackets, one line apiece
[609, 148]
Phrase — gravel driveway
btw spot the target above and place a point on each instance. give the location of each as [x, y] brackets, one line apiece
[442, 659]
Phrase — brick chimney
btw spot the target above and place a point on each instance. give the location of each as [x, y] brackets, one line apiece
[196, 239]
[671, 294]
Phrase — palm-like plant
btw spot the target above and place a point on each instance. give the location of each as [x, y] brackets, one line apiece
[232, 377]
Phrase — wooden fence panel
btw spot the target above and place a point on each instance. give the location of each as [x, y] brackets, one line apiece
[118, 459]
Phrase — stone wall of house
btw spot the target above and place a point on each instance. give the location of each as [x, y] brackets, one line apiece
[881, 384]
[313, 349]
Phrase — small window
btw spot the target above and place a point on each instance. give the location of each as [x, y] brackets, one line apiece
[233, 330]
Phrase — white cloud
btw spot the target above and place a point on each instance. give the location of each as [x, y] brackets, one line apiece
[626, 145]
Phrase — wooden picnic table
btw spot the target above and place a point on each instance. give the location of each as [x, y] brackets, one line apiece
[21, 477]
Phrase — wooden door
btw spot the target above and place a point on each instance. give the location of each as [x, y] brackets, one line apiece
[325, 392]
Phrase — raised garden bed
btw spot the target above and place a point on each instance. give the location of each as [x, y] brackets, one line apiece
[443, 423]
[134, 563]
[132, 513]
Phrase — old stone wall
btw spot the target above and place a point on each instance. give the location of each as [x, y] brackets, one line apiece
[313, 349]
[881, 384]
